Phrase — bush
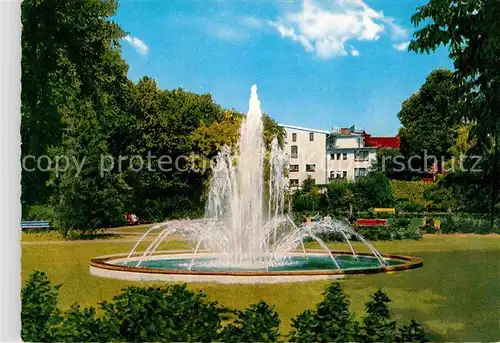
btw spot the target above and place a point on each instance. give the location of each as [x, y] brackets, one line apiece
[258, 323]
[408, 206]
[39, 313]
[173, 314]
[467, 225]
[38, 212]
[373, 190]
[411, 191]
[170, 314]
[397, 229]
[331, 321]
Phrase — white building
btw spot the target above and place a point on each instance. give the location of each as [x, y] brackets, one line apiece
[327, 155]
[306, 149]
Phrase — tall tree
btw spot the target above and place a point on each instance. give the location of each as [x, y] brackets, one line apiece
[70, 52]
[428, 119]
[471, 30]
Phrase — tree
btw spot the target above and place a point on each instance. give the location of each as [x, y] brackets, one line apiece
[82, 64]
[429, 118]
[414, 333]
[471, 30]
[373, 190]
[40, 315]
[377, 324]
[258, 323]
[330, 322]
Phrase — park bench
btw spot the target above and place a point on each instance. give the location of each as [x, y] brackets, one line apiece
[371, 222]
[385, 210]
[37, 224]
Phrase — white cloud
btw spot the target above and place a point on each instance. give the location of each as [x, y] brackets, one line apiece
[401, 46]
[137, 44]
[325, 30]
[290, 33]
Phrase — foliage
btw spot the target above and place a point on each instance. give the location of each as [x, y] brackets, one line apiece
[39, 212]
[412, 333]
[373, 190]
[391, 162]
[339, 195]
[377, 324]
[471, 30]
[169, 314]
[397, 229]
[82, 325]
[428, 118]
[40, 315]
[331, 321]
[413, 191]
[453, 224]
[258, 323]
[408, 206]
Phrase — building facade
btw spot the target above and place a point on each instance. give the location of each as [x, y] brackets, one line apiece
[344, 153]
[306, 149]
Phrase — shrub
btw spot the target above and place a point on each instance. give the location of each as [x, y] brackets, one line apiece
[170, 314]
[82, 325]
[408, 206]
[373, 190]
[377, 325]
[39, 313]
[467, 225]
[397, 229]
[411, 191]
[330, 322]
[412, 333]
[38, 212]
[258, 323]
[174, 314]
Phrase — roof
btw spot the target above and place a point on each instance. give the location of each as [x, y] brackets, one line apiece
[326, 132]
[381, 142]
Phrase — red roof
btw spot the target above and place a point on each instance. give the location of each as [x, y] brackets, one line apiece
[381, 142]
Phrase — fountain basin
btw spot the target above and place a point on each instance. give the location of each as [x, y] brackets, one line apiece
[173, 266]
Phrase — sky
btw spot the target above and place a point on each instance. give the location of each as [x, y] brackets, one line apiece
[318, 64]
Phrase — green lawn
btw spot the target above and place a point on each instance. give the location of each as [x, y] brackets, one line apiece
[456, 294]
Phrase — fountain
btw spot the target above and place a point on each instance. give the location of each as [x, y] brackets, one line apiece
[243, 239]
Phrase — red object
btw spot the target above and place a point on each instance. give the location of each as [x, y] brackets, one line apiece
[130, 219]
[381, 142]
[371, 222]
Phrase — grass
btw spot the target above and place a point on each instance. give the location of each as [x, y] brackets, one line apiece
[455, 294]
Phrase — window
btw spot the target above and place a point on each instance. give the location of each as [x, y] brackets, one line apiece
[332, 156]
[295, 151]
[311, 136]
[359, 172]
[344, 174]
[310, 167]
[294, 168]
[361, 156]
[294, 137]
[332, 174]
[338, 156]
[344, 156]
[294, 182]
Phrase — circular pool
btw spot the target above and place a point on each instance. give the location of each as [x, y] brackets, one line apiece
[185, 266]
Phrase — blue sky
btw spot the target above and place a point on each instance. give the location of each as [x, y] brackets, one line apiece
[318, 64]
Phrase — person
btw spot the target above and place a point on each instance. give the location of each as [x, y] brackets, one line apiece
[317, 217]
[134, 219]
